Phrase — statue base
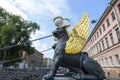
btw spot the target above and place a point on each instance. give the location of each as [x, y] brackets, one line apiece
[63, 77]
[72, 77]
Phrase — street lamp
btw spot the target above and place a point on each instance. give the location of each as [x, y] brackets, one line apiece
[94, 21]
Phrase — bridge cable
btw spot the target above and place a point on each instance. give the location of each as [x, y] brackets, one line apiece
[8, 47]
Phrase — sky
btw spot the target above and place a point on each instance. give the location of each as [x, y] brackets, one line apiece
[43, 12]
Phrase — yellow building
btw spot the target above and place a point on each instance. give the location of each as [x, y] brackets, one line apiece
[34, 60]
[47, 63]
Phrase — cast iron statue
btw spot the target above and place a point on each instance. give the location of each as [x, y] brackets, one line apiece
[91, 70]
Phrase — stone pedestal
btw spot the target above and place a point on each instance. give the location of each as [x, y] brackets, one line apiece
[62, 77]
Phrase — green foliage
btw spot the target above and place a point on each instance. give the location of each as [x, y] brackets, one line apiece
[8, 33]
[14, 30]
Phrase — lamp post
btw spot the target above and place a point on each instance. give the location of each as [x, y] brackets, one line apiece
[94, 21]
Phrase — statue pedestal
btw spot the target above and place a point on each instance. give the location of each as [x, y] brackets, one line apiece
[62, 77]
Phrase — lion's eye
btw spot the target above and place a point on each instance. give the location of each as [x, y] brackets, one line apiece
[57, 28]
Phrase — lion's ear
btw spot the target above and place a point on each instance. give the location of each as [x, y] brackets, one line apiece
[67, 25]
[63, 27]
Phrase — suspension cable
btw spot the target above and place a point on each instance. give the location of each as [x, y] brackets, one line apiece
[22, 57]
[7, 47]
[46, 50]
[40, 38]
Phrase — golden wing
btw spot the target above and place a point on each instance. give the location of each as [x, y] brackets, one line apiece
[78, 35]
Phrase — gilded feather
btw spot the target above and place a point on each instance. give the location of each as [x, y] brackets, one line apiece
[78, 35]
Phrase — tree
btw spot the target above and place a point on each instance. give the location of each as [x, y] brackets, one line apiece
[15, 30]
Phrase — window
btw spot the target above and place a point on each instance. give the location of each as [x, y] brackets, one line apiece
[119, 75]
[97, 34]
[102, 62]
[108, 74]
[118, 33]
[117, 59]
[111, 37]
[100, 47]
[107, 44]
[100, 31]
[95, 37]
[111, 61]
[113, 16]
[103, 45]
[119, 7]
[97, 49]
[103, 27]
[91, 40]
[108, 22]
[106, 61]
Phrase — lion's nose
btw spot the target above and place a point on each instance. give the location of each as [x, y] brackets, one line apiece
[54, 32]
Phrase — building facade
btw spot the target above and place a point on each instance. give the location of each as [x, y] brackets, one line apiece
[103, 44]
[47, 63]
[34, 60]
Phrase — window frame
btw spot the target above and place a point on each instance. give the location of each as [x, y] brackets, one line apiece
[108, 22]
[100, 31]
[112, 39]
[97, 34]
[103, 44]
[118, 7]
[100, 46]
[117, 59]
[111, 60]
[113, 16]
[107, 43]
[118, 33]
[103, 27]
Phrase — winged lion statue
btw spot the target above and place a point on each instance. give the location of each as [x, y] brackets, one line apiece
[68, 51]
